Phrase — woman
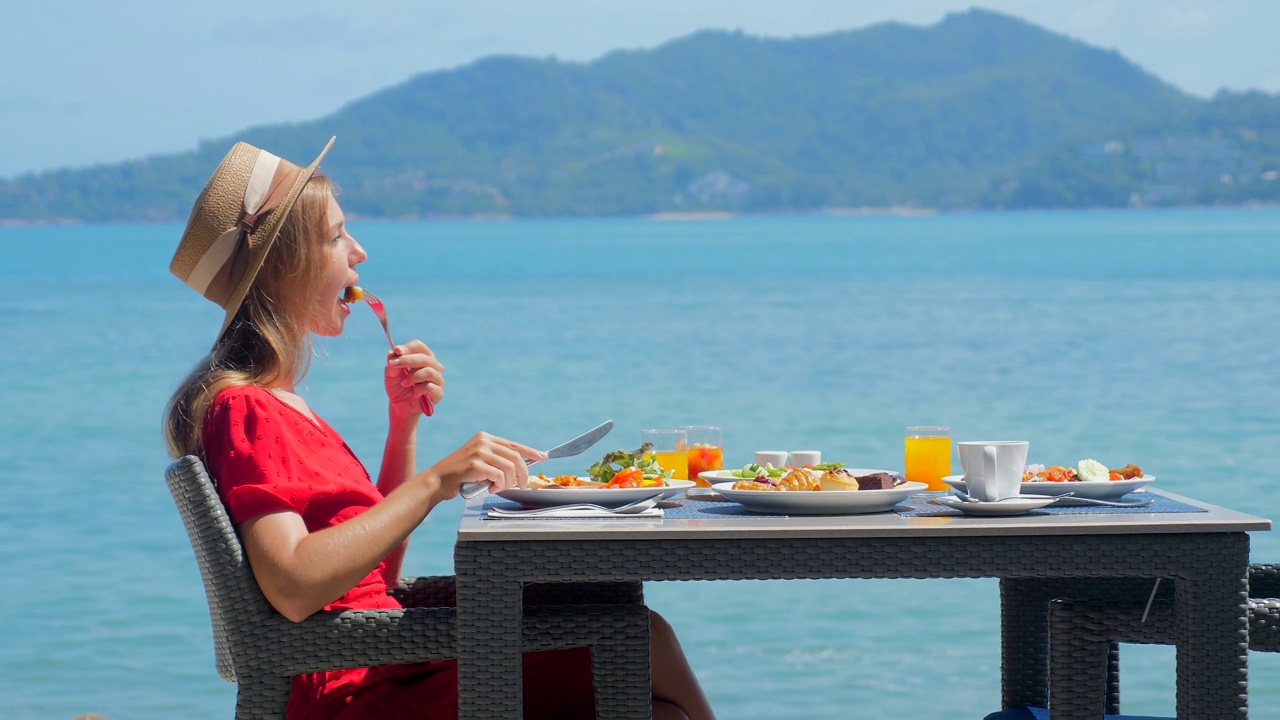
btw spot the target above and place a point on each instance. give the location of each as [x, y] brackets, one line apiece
[267, 241]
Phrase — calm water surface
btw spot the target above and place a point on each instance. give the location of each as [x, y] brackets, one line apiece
[1143, 337]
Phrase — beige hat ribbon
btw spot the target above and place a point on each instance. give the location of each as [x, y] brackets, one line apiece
[225, 260]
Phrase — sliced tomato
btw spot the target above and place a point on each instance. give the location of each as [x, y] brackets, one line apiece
[627, 478]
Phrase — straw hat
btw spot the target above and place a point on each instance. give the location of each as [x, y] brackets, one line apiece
[235, 222]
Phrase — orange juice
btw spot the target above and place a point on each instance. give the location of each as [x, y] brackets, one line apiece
[928, 460]
[703, 458]
[676, 461]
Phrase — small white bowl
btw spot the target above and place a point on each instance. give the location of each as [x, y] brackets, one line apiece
[776, 458]
[801, 458]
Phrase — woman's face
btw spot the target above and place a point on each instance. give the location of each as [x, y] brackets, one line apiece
[341, 255]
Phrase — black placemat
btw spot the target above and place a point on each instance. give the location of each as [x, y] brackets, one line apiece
[920, 506]
[710, 507]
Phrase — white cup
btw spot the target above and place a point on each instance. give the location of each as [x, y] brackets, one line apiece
[993, 468]
[800, 458]
[776, 458]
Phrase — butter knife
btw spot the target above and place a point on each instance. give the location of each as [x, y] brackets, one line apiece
[574, 447]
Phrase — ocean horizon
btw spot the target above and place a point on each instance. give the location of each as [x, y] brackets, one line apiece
[1139, 336]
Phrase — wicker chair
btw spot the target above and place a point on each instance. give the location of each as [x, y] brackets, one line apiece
[260, 650]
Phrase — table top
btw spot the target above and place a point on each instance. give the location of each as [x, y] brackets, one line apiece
[475, 527]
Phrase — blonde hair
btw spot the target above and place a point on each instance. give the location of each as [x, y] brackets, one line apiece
[269, 338]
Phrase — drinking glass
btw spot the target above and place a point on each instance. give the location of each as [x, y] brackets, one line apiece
[670, 449]
[928, 451]
[706, 450]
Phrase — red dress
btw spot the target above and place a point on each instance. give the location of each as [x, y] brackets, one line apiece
[268, 457]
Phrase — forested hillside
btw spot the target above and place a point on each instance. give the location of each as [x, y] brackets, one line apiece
[978, 110]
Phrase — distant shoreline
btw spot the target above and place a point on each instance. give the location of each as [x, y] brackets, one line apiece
[683, 216]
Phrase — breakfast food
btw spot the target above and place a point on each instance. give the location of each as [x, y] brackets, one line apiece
[878, 481]
[618, 469]
[1128, 472]
[542, 481]
[353, 294]
[809, 479]
[634, 468]
[839, 479]
[1085, 471]
[800, 479]
[1091, 471]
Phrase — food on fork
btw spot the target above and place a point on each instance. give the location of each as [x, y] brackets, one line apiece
[353, 294]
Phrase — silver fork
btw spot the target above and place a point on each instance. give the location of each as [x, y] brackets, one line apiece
[428, 407]
[1077, 500]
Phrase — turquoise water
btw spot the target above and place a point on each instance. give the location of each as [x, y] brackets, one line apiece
[1145, 337]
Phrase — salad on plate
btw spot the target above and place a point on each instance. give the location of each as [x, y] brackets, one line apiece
[620, 469]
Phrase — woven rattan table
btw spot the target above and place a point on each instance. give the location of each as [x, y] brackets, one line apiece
[1037, 558]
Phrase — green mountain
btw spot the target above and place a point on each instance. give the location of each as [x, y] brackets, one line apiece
[979, 110]
[1225, 152]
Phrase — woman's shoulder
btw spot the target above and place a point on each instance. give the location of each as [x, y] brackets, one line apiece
[245, 398]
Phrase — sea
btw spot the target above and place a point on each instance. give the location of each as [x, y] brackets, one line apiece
[1138, 336]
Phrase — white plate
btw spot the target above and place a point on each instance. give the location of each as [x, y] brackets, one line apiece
[1099, 490]
[605, 497]
[821, 502]
[719, 476]
[1009, 506]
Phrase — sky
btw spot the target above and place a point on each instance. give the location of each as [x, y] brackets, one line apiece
[86, 82]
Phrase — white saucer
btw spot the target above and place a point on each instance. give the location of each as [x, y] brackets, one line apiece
[1009, 506]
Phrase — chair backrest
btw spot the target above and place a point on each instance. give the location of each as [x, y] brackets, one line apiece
[233, 594]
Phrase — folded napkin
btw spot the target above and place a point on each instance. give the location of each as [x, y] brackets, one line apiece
[496, 513]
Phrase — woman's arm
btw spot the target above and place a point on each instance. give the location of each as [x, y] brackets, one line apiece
[398, 465]
[412, 370]
[300, 572]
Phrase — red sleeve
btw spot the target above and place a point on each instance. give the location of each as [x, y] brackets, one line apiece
[247, 448]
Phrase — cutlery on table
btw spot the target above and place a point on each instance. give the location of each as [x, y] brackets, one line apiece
[1105, 503]
[632, 508]
[1065, 496]
[567, 449]
[577, 445]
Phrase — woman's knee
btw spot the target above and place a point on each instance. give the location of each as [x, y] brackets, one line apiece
[659, 627]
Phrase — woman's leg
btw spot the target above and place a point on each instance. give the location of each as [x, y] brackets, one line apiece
[676, 692]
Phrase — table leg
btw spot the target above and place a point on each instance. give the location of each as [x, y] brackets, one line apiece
[1213, 634]
[489, 625]
[1024, 630]
[1024, 642]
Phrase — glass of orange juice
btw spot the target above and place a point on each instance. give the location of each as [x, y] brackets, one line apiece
[670, 449]
[706, 450]
[928, 450]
